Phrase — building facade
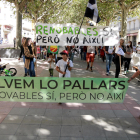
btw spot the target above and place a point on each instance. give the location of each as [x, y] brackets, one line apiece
[133, 30]
[8, 24]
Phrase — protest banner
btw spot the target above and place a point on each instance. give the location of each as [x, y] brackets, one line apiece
[66, 35]
[74, 90]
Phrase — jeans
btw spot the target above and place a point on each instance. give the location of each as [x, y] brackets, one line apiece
[126, 63]
[72, 56]
[51, 72]
[108, 61]
[81, 53]
[24, 63]
[32, 69]
[85, 53]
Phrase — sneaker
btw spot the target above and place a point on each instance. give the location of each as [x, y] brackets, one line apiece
[127, 71]
[124, 72]
[25, 75]
[107, 73]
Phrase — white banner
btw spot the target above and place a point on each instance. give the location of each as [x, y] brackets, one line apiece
[66, 35]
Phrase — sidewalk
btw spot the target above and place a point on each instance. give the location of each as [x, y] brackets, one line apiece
[7, 45]
[72, 121]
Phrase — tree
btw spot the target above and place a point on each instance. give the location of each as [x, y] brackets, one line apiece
[44, 10]
[128, 8]
[20, 7]
[108, 12]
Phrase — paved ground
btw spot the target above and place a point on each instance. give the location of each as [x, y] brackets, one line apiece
[7, 45]
[72, 121]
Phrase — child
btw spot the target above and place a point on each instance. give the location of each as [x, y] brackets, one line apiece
[44, 53]
[38, 52]
[51, 61]
[63, 63]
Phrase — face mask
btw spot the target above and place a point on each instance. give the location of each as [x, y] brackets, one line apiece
[128, 44]
[139, 45]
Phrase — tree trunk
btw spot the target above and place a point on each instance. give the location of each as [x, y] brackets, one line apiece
[107, 22]
[124, 23]
[18, 27]
[35, 31]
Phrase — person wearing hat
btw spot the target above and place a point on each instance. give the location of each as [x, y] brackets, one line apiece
[64, 66]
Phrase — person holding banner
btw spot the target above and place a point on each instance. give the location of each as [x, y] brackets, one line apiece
[109, 50]
[30, 55]
[119, 56]
[64, 66]
[127, 56]
[22, 53]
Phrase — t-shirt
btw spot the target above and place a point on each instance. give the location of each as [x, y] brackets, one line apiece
[62, 65]
[128, 50]
[91, 49]
[110, 49]
[51, 65]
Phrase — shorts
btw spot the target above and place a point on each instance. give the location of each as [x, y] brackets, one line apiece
[90, 57]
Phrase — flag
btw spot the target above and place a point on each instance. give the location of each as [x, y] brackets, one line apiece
[53, 49]
[92, 11]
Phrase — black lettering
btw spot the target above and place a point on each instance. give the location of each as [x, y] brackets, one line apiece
[33, 95]
[93, 40]
[103, 82]
[98, 96]
[39, 37]
[114, 86]
[106, 31]
[41, 85]
[44, 39]
[118, 96]
[8, 85]
[69, 40]
[92, 85]
[48, 96]
[15, 95]
[50, 39]
[28, 96]
[85, 40]
[123, 86]
[22, 95]
[91, 95]
[16, 83]
[28, 85]
[82, 96]
[61, 95]
[64, 85]
[74, 96]
[109, 96]
[84, 85]
[3, 93]
[78, 85]
[40, 95]
[67, 96]
[56, 84]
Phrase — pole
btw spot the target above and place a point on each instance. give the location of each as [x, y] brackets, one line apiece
[74, 42]
[120, 63]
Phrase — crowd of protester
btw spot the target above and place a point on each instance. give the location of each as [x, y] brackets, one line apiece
[65, 57]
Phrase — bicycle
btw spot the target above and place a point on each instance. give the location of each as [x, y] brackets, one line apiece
[10, 72]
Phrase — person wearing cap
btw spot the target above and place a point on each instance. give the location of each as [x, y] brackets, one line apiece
[64, 66]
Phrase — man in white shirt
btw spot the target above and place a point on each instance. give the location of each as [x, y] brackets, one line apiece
[64, 66]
